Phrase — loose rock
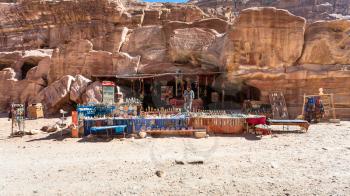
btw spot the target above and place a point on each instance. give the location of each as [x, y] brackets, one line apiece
[160, 173]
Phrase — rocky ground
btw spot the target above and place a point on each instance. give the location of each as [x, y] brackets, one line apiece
[314, 163]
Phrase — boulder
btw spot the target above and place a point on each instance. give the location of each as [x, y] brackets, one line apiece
[93, 93]
[78, 87]
[56, 95]
[327, 43]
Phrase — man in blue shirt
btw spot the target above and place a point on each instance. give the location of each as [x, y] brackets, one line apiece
[188, 96]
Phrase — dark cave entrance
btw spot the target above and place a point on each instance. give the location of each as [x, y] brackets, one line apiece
[26, 67]
[4, 66]
[233, 97]
[248, 92]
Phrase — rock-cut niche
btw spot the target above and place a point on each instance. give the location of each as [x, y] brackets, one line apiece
[27, 65]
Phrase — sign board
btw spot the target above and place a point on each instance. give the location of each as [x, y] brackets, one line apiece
[108, 90]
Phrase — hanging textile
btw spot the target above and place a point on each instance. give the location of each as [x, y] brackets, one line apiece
[314, 109]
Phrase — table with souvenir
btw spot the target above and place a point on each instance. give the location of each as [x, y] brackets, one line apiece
[135, 120]
[222, 122]
[130, 114]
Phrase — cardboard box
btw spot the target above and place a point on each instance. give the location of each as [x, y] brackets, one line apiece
[35, 111]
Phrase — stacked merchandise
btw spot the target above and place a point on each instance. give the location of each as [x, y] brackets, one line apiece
[257, 108]
[131, 107]
[92, 111]
[95, 110]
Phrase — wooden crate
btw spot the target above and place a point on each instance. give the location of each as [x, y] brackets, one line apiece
[35, 111]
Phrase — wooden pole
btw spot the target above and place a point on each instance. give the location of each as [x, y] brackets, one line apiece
[176, 86]
[197, 87]
[333, 107]
[302, 109]
[206, 86]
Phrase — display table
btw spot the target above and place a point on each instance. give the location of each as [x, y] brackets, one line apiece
[137, 124]
[219, 124]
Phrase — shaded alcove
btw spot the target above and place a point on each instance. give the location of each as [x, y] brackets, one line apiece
[248, 92]
[232, 97]
[26, 67]
[4, 66]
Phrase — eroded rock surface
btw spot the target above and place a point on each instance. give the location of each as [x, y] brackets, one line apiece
[264, 37]
[54, 50]
[93, 93]
[309, 9]
[55, 96]
[327, 43]
[78, 87]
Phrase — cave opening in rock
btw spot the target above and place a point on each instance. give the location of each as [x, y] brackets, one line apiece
[4, 66]
[248, 92]
[233, 97]
[26, 67]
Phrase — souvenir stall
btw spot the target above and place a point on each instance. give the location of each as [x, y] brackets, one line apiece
[154, 103]
[165, 90]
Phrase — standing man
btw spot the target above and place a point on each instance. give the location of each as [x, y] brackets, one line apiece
[188, 96]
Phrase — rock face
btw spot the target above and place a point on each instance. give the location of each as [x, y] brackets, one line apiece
[47, 24]
[78, 57]
[310, 9]
[53, 51]
[327, 43]
[190, 44]
[148, 42]
[264, 37]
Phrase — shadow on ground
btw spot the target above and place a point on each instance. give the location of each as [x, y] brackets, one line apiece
[96, 138]
[55, 136]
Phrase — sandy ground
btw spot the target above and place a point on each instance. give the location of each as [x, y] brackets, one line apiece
[314, 163]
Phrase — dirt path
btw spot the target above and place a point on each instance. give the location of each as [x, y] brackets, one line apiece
[315, 163]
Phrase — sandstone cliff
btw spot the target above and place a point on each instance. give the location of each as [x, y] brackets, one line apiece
[51, 50]
[312, 10]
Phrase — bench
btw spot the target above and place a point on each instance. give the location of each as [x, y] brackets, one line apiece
[303, 124]
[117, 129]
[189, 132]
